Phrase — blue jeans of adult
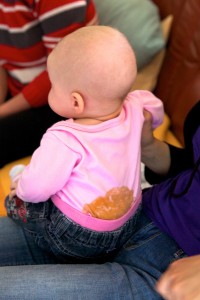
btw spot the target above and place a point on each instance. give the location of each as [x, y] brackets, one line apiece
[26, 272]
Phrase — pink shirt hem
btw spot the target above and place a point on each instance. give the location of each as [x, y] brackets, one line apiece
[91, 222]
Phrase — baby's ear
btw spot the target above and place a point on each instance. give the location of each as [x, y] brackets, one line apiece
[77, 102]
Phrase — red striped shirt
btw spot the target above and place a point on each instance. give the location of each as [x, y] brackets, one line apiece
[29, 30]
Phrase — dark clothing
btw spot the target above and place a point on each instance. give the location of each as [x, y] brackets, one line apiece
[174, 204]
[20, 134]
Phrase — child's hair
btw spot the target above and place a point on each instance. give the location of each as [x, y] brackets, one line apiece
[98, 61]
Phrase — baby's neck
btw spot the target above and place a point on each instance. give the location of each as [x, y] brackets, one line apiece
[98, 120]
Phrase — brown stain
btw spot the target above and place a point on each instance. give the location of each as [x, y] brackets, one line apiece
[113, 205]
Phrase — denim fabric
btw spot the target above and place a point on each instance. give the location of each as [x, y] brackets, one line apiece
[131, 275]
[67, 240]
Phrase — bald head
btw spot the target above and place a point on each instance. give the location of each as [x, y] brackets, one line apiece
[97, 61]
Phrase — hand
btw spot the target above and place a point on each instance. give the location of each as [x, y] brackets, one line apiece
[181, 280]
[13, 188]
[147, 130]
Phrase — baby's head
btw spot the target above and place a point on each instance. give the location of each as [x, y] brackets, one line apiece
[91, 72]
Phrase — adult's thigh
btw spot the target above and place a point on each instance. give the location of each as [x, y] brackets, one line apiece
[16, 248]
[132, 274]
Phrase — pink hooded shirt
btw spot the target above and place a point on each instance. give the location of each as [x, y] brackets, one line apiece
[75, 163]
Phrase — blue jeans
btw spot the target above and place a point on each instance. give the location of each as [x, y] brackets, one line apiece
[26, 272]
[66, 240]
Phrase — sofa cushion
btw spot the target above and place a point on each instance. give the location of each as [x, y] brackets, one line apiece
[147, 77]
[139, 20]
[178, 85]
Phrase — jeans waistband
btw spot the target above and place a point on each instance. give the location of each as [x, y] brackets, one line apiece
[90, 222]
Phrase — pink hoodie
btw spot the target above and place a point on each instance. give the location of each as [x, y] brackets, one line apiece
[75, 163]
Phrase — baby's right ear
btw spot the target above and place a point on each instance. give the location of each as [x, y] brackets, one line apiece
[77, 102]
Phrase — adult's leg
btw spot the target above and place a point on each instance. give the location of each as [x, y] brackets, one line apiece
[20, 133]
[16, 248]
[131, 275]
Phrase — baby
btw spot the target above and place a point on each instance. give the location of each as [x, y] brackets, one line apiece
[81, 192]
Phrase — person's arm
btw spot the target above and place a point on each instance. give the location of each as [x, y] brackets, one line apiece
[155, 153]
[181, 280]
[14, 105]
[3, 85]
[47, 172]
[161, 160]
[56, 19]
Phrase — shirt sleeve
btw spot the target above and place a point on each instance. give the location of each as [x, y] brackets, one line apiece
[49, 170]
[155, 107]
[151, 103]
[36, 92]
[57, 19]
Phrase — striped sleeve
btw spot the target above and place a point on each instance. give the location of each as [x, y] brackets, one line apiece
[59, 18]
[56, 23]
[29, 30]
